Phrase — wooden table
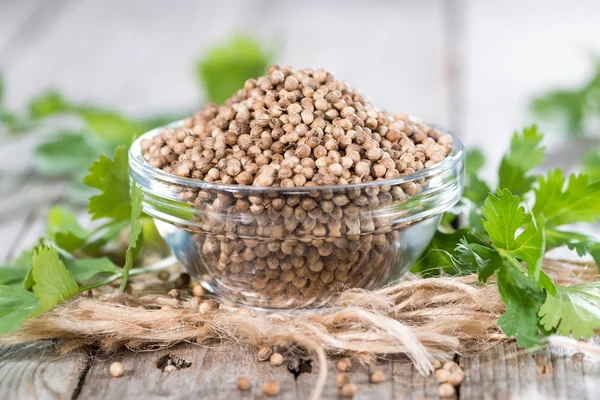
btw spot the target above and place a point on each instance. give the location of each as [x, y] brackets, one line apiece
[36, 371]
[440, 59]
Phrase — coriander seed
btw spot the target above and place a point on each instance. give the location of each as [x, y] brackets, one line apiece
[170, 368]
[271, 388]
[243, 384]
[348, 391]
[341, 379]
[344, 365]
[377, 376]
[276, 359]
[264, 353]
[116, 369]
[446, 390]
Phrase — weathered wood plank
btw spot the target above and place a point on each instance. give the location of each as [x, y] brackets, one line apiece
[409, 384]
[36, 371]
[212, 374]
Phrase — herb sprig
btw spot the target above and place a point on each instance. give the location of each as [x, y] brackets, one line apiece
[507, 234]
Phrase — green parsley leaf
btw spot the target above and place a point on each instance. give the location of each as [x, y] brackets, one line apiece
[53, 282]
[111, 177]
[137, 196]
[578, 201]
[86, 268]
[16, 305]
[479, 258]
[591, 165]
[581, 243]
[503, 217]
[226, 67]
[15, 272]
[111, 126]
[64, 229]
[525, 154]
[574, 309]
[47, 104]
[522, 300]
[475, 161]
[440, 255]
[64, 154]
[1, 89]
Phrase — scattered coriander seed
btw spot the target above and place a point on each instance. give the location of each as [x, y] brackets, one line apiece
[174, 293]
[243, 384]
[442, 375]
[271, 388]
[456, 378]
[437, 364]
[451, 366]
[170, 368]
[116, 369]
[198, 290]
[208, 306]
[348, 391]
[276, 359]
[164, 275]
[377, 377]
[446, 390]
[344, 365]
[264, 353]
[88, 293]
[341, 379]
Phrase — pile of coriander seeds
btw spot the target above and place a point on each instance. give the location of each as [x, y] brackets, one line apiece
[308, 209]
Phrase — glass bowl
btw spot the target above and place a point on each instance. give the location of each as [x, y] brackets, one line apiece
[288, 248]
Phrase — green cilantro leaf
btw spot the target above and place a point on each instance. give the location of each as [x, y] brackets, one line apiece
[591, 165]
[503, 218]
[111, 177]
[15, 272]
[47, 104]
[480, 258]
[581, 243]
[525, 154]
[574, 309]
[475, 161]
[225, 67]
[440, 255]
[111, 126]
[522, 300]
[64, 154]
[64, 229]
[53, 282]
[578, 201]
[85, 268]
[16, 305]
[137, 196]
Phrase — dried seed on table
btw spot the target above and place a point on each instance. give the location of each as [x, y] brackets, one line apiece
[271, 388]
[348, 391]
[116, 369]
[442, 375]
[446, 390]
[344, 365]
[276, 359]
[208, 306]
[174, 293]
[341, 379]
[170, 368]
[198, 290]
[264, 353]
[243, 384]
[164, 275]
[377, 377]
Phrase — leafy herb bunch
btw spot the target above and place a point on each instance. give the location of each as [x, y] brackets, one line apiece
[508, 233]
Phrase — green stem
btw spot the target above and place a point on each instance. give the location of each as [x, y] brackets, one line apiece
[162, 264]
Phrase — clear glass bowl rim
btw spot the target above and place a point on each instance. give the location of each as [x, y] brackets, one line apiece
[141, 166]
